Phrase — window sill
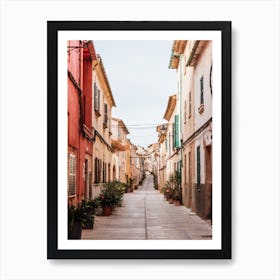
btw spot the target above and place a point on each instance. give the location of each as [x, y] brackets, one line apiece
[201, 109]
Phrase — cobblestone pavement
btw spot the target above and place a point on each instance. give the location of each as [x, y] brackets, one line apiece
[146, 215]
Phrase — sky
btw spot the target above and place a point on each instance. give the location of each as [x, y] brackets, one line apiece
[141, 83]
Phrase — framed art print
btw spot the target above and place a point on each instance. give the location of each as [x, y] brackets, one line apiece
[139, 140]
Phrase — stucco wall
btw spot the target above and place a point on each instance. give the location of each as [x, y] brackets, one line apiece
[202, 68]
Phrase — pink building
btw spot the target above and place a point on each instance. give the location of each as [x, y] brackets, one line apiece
[81, 55]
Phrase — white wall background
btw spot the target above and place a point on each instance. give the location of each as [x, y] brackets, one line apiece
[255, 127]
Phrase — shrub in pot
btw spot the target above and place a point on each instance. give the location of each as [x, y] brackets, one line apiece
[89, 207]
[111, 196]
[177, 198]
[76, 219]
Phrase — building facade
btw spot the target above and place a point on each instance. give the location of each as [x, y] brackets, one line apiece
[81, 55]
[193, 62]
[102, 103]
[162, 130]
[120, 146]
[172, 136]
[135, 166]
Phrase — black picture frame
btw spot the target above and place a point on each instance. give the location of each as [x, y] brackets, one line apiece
[53, 27]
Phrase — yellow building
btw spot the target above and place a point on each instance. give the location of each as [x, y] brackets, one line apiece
[172, 137]
[162, 130]
[135, 167]
[120, 150]
[102, 104]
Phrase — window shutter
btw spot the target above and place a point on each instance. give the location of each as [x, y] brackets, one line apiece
[98, 103]
[177, 145]
[198, 167]
[105, 114]
[71, 174]
[95, 97]
[174, 135]
[95, 170]
[201, 91]
[100, 171]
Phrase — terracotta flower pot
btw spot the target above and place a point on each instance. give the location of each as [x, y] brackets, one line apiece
[107, 210]
[177, 202]
[170, 200]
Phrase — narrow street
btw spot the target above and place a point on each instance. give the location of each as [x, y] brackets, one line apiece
[146, 215]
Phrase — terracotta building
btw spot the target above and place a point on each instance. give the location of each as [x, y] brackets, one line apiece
[81, 55]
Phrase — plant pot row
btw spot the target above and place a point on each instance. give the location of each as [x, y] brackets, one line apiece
[174, 201]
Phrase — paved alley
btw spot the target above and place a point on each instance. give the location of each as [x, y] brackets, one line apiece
[146, 215]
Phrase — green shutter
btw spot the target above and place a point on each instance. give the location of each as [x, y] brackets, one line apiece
[173, 135]
[198, 167]
[177, 142]
[201, 91]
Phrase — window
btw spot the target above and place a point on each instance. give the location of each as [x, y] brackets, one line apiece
[72, 163]
[176, 132]
[105, 115]
[109, 172]
[96, 170]
[198, 167]
[173, 134]
[201, 91]
[99, 171]
[96, 99]
[104, 172]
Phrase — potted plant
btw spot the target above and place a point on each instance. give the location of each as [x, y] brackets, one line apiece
[177, 198]
[169, 186]
[111, 196]
[177, 192]
[76, 219]
[167, 190]
[90, 207]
